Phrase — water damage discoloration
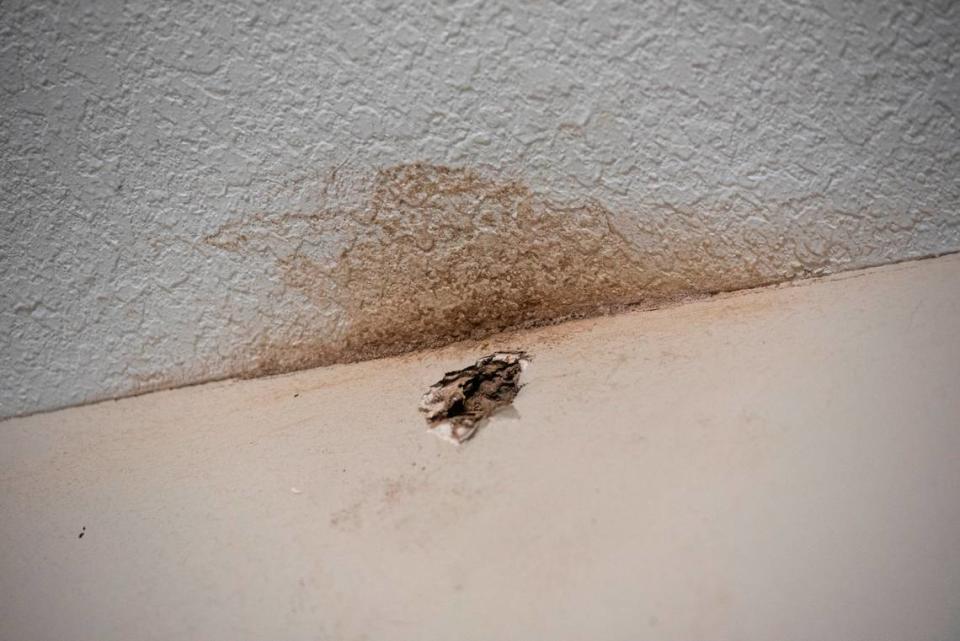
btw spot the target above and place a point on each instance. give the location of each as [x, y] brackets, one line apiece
[419, 255]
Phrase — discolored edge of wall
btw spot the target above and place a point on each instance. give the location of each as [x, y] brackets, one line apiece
[432, 254]
[349, 263]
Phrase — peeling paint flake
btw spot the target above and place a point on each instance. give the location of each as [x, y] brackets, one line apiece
[459, 402]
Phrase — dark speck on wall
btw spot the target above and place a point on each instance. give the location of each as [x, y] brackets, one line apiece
[83, 531]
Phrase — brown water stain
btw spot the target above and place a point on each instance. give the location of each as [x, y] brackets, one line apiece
[438, 254]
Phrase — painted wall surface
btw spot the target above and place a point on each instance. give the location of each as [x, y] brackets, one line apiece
[192, 192]
[778, 465]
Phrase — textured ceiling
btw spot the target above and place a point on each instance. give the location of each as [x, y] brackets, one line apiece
[205, 191]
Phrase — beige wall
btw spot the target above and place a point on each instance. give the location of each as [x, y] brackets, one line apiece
[775, 465]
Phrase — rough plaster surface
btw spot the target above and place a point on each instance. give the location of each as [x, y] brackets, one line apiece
[191, 192]
[779, 465]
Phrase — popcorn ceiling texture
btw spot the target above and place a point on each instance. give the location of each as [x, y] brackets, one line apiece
[193, 192]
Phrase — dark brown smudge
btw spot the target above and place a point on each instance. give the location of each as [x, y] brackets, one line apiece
[441, 254]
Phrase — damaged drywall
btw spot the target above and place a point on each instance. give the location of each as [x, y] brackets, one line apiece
[193, 193]
[458, 404]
